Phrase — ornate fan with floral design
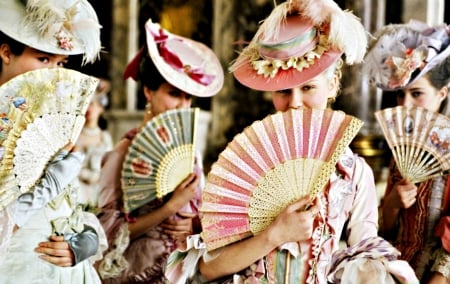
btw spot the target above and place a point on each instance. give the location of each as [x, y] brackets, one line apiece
[419, 140]
[41, 111]
[160, 156]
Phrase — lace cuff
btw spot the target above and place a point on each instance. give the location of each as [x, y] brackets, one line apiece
[114, 263]
[183, 265]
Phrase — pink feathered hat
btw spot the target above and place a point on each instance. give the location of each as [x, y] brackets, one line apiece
[186, 64]
[298, 41]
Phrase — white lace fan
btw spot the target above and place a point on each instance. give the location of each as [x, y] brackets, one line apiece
[160, 156]
[268, 166]
[419, 140]
[41, 111]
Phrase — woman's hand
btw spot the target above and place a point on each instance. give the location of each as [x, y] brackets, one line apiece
[56, 251]
[70, 147]
[295, 222]
[403, 195]
[179, 228]
[184, 192]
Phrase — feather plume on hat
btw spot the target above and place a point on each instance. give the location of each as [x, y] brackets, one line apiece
[346, 32]
[61, 22]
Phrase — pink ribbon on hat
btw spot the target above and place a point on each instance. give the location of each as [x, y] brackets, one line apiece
[173, 60]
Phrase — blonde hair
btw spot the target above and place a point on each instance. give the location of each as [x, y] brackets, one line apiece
[335, 71]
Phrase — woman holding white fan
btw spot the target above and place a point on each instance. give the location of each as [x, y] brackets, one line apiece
[413, 60]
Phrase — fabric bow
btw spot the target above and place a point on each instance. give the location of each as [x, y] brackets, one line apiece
[196, 74]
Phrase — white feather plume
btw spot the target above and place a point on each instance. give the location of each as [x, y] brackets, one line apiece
[317, 10]
[270, 27]
[52, 17]
[46, 17]
[346, 32]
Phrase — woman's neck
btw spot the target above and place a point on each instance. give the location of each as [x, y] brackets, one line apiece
[91, 124]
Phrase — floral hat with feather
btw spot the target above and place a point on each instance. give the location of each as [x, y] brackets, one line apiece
[186, 64]
[402, 53]
[298, 41]
[66, 27]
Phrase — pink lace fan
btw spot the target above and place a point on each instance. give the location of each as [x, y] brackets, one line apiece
[271, 164]
[419, 140]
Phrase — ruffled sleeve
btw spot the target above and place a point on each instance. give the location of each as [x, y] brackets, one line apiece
[372, 260]
[182, 265]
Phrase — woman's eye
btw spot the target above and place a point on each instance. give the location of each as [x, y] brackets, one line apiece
[44, 59]
[416, 94]
[175, 94]
[285, 92]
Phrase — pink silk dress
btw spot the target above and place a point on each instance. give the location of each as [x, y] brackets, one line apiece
[141, 260]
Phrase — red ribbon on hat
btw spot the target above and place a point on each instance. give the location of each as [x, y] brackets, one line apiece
[173, 60]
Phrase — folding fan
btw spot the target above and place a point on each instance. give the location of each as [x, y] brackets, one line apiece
[160, 156]
[268, 166]
[419, 140]
[41, 111]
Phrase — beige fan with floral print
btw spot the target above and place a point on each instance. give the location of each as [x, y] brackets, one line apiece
[41, 111]
[419, 140]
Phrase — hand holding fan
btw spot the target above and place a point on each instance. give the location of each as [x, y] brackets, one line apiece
[160, 156]
[419, 140]
[268, 166]
[41, 111]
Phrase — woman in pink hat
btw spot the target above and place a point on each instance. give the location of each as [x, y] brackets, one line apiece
[170, 69]
[33, 248]
[415, 216]
[296, 55]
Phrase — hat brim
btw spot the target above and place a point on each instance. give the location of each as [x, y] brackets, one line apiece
[284, 79]
[85, 39]
[180, 79]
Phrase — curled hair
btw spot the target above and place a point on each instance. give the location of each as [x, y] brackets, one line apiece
[335, 70]
[439, 77]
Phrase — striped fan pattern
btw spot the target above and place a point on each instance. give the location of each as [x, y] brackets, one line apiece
[271, 164]
[41, 111]
[419, 140]
[160, 156]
